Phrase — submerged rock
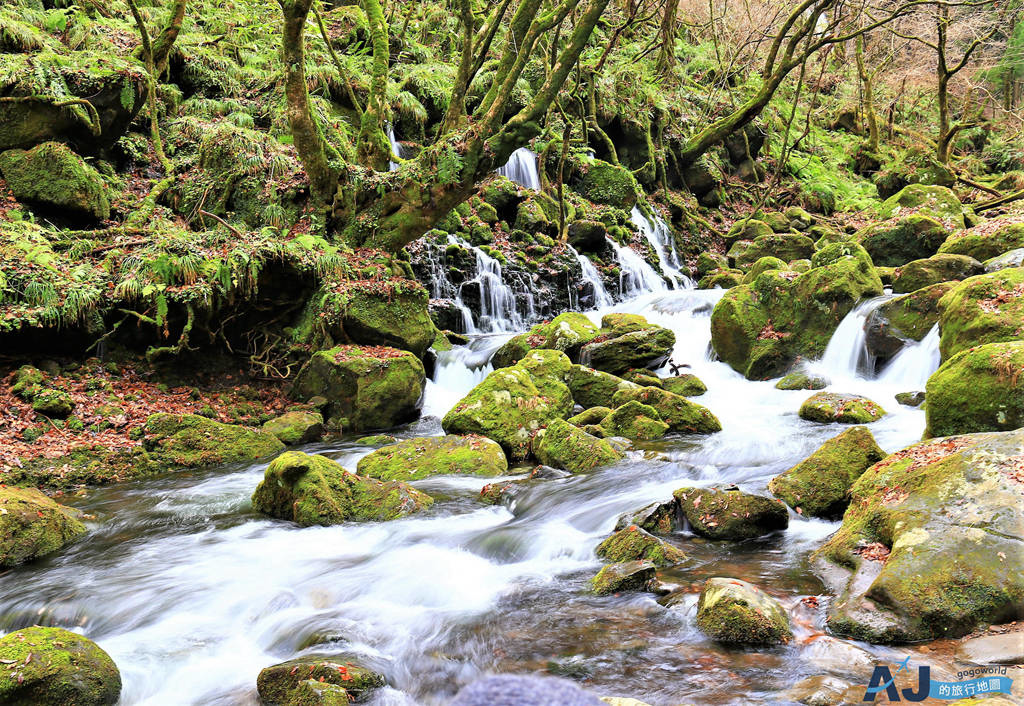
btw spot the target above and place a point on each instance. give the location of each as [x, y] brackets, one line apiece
[937, 268]
[523, 690]
[679, 413]
[55, 667]
[978, 389]
[819, 485]
[32, 525]
[737, 612]
[632, 544]
[984, 309]
[365, 388]
[278, 685]
[624, 576]
[564, 446]
[821, 691]
[802, 381]
[829, 407]
[297, 427]
[910, 399]
[314, 490]
[729, 514]
[1007, 648]
[636, 421]
[414, 459]
[929, 546]
[191, 441]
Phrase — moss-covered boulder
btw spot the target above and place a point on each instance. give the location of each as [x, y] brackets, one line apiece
[910, 317]
[366, 388]
[512, 404]
[647, 348]
[56, 180]
[1006, 261]
[930, 544]
[685, 385]
[937, 268]
[819, 486]
[32, 525]
[978, 389]
[634, 544]
[314, 490]
[27, 382]
[609, 184]
[730, 514]
[721, 279]
[658, 518]
[594, 415]
[623, 576]
[747, 229]
[679, 413]
[898, 241]
[708, 262]
[296, 427]
[835, 407]
[739, 613]
[910, 399]
[567, 332]
[636, 421]
[984, 309]
[587, 235]
[280, 684]
[399, 318]
[988, 239]
[783, 246]
[414, 459]
[562, 445]
[939, 202]
[191, 441]
[55, 667]
[763, 265]
[760, 329]
[643, 377]
[55, 404]
[800, 380]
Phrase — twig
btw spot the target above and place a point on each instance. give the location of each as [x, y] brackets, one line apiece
[221, 221]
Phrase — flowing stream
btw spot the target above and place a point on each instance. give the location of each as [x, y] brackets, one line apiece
[192, 592]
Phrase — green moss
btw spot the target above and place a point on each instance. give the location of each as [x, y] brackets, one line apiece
[645, 348]
[785, 246]
[191, 441]
[709, 262]
[913, 315]
[53, 177]
[978, 389]
[594, 388]
[679, 413]
[634, 544]
[730, 514]
[984, 309]
[802, 381]
[608, 184]
[636, 421]
[736, 612]
[567, 332]
[624, 576]
[819, 485]
[987, 240]
[55, 667]
[313, 490]
[32, 525]
[414, 459]
[564, 446]
[27, 382]
[936, 201]
[898, 241]
[283, 683]
[748, 229]
[723, 279]
[298, 427]
[685, 385]
[56, 404]
[833, 407]
[594, 415]
[937, 268]
[763, 265]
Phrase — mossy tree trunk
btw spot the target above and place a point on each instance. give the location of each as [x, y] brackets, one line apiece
[367, 205]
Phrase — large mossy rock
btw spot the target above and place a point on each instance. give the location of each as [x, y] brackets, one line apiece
[984, 309]
[938, 202]
[978, 389]
[763, 265]
[55, 667]
[57, 181]
[747, 229]
[685, 385]
[761, 328]
[623, 576]
[594, 388]
[634, 420]
[562, 445]
[398, 318]
[739, 613]
[567, 332]
[937, 268]
[513, 403]
[414, 459]
[606, 183]
[730, 514]
[987, 240]
[635, 544]
[679, 413]
[366, 388]
[314, 490]
[898, 241]
[930, 545]
[32, 525]
[800, 380]
[835, 407]
[784, 246]
[277, 685]
[910, 317]
[296, 427]
[648, 347]
[191, 441]
[819, 486]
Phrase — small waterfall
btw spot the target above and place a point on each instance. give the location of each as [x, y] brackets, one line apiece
[457, 372]
[498, 309]
[636, 276]
[521, 168]
[915, 363]
[601, 296]
[396, 148]
[442, 288]
[847, 352]
[659, 235]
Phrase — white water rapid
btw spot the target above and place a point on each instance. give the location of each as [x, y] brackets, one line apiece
[657, 232]
[521, 168]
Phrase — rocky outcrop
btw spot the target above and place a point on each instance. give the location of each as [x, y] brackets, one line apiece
[984, 309]
[191, 441]
[937, 268]
[32, 525]
[978, 389]
[987, 240]
[55, 667]
[900, 240]
[414, 459]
